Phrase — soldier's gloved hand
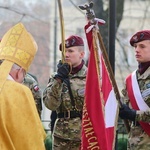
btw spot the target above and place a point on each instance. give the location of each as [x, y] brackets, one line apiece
[62, 71]
[126, 113]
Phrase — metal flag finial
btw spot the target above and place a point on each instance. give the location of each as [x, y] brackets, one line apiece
[89, 12]
[90, 15]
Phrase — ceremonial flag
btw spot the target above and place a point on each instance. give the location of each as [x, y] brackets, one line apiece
[100, 107]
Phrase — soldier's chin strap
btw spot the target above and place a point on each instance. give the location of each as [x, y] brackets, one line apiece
[70, 67]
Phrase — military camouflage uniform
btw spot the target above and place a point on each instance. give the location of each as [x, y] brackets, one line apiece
[67, 129]
[138, 139]
[31, 82]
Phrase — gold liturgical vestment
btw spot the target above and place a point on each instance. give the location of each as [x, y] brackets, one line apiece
[20, 125]
[17, 114]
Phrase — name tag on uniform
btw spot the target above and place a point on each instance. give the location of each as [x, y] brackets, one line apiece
[146, 93]
[81, 92]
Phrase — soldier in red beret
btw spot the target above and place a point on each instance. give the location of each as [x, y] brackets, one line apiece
[65, 95]
[137, 94]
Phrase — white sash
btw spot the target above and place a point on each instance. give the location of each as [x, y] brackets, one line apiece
[137, 93]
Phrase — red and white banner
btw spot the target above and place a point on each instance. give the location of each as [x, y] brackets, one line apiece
[100, 107]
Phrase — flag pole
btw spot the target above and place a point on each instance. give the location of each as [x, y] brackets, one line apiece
[111, 75]
[62, 31]
[62, 34]
[91, 17]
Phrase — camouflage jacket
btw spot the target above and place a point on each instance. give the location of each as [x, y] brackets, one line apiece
[138, 139]
[32, 83]
[56, 97]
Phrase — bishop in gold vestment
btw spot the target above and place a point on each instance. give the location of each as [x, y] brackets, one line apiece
[20, 125]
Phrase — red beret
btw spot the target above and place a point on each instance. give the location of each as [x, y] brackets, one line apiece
[140, 36]
[73, 40]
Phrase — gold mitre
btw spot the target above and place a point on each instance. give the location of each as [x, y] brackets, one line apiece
[18, 46]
